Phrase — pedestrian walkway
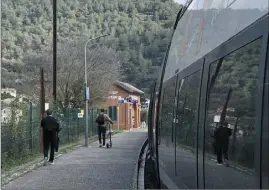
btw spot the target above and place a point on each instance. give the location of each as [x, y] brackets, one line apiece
[89, 168]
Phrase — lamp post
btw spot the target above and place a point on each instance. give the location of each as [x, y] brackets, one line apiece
[87, 91]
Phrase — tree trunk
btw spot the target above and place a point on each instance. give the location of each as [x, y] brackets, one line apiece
[224, 110]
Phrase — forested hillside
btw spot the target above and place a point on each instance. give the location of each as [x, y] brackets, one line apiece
[140, 31]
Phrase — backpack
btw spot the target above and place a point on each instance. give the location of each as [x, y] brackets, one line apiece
[101, 119]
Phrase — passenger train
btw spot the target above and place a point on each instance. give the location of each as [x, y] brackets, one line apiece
[215, 71]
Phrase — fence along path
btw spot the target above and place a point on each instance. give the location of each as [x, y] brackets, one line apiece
[20, 139]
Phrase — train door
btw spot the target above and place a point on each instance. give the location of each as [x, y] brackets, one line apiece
[185, 139]
[166, 153]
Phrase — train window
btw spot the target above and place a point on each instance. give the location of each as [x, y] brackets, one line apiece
[167, 111]
[188, 90]
[166, 150]
[265, 133]
[230, 122]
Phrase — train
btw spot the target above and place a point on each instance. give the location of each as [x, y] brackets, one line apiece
[215, 70]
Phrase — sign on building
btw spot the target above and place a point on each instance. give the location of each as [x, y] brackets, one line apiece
[113, 92]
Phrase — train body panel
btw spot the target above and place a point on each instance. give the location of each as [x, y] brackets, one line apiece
[215, 71]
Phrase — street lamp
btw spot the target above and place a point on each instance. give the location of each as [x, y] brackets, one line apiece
[87, 90]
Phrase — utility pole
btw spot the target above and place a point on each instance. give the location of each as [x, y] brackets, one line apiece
[54, 8]
[87, 93]
[42, 105]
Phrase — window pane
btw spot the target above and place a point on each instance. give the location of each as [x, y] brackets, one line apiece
[166, 149]
[232, 90]
[265, 133]
[188, 91]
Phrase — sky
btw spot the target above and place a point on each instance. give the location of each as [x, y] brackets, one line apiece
[238, 4]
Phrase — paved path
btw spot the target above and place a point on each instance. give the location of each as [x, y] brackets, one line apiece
[89, 168]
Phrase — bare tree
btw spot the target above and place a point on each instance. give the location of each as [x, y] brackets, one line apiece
[103, 67]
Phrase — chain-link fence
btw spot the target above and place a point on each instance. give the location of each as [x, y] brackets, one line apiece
[20, 136]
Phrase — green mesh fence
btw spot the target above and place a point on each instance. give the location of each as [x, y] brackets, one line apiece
[20, 138]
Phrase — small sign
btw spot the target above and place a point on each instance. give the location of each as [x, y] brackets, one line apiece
[118, 108]
[113, 97]
[80, 115]
[217, 118]
[46, 106]
[82, 111]
[87, 93]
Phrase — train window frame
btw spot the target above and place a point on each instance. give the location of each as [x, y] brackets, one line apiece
[255, 31]
[264, 92]
[185, 73]
[195, 67]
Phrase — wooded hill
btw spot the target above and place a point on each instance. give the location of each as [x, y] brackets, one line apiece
[140, 32]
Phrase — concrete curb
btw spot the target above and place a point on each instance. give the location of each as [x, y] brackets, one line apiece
[141, 172]
[38, 162]
[137, 166]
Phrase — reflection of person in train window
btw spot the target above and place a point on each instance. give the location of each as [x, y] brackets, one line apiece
[221, 136]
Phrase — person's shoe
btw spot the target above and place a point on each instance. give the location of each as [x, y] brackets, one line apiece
[51, 163]
[226, 162]
[45, 161]
[104, 146]
[100, 145]
[219, 163]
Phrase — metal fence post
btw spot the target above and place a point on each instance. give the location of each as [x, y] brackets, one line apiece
[31, 125]
[68, 125]
[91, 123]
[77, 131]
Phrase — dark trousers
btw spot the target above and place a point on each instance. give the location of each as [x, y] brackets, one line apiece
[49, 141]
[222, 149]
[102, 131]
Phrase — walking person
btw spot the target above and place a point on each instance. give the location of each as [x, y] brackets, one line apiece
[222, 135]
[50, 127]
[101, 120]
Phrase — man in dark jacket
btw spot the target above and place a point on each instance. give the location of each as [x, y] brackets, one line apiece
[221, 136]
[50, 127]
[101, 119]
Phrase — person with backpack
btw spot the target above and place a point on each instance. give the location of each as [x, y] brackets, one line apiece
[50, 127]
[101, 119]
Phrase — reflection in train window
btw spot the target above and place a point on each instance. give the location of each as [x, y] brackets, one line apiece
[188, 90]
[231, 97]
[166, 148]
[167, 113]
[265, 133]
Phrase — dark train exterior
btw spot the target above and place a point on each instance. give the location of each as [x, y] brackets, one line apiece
[215, 71]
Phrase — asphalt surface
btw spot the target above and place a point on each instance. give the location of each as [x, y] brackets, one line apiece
[89, 168]
[216, 177]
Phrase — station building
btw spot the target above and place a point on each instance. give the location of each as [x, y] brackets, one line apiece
[123, 105]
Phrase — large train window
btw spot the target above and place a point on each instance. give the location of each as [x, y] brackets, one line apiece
[167, 112]
[230, 137]
[166, 148]
[186, 129]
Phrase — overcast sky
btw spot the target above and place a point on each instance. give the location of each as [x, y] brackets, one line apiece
[238, 4]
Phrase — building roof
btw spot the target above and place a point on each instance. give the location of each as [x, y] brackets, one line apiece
[128, 87]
